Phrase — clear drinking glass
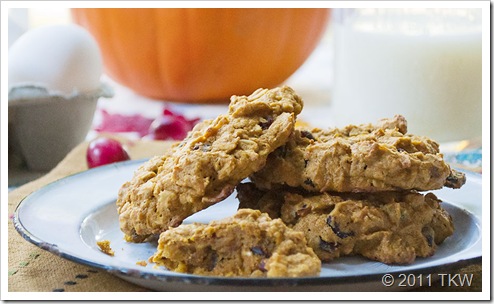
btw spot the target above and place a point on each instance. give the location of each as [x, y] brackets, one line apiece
[422, 63]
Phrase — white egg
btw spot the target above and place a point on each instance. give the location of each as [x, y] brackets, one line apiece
[61, 58]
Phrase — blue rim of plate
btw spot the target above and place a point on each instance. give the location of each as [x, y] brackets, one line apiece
[216, 280]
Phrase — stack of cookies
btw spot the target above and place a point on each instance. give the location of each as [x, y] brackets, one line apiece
[358, 190]
[314, 195]
[204, 169]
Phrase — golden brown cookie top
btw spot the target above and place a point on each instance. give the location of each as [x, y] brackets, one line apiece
[264, 102]
[359, 158]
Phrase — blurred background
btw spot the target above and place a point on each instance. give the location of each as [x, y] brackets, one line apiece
[345, 63]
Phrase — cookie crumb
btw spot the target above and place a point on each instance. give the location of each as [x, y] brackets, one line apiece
[104, 246]
[142, 263]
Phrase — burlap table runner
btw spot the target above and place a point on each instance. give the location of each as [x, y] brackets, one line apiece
[33, 269]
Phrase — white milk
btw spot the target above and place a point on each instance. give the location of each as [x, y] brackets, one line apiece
[416, 63]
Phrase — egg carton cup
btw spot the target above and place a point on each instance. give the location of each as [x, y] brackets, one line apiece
[45, 125]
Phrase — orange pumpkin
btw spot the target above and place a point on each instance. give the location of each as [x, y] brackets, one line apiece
[202, 55]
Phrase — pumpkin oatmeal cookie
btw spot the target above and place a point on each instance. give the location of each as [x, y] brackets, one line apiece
[206, 166]
[248, 244]
[390, 227]
[363, 158]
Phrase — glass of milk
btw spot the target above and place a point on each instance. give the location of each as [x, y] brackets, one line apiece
[422, 63]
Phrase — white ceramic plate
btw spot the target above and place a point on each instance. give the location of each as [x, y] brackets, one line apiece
[69, 216]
